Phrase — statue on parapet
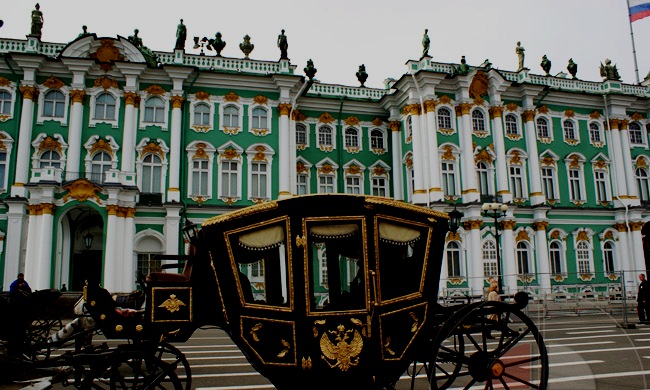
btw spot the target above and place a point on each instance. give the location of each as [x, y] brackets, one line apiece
[572, 68]
[181, 36]
[463, 68]
[246, 47]
[362, 76]
[609, 71]
[310, 70]
[84, 31]
[546, 64]
[135, 39]
[520, 56]
[37, 22]
[218, 44]
[283, 45]
[487, 65]
[426, 43]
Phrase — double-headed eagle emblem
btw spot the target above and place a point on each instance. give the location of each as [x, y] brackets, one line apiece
[344, 353]
[172, 304]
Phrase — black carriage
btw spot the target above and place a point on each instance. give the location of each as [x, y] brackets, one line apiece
[318, 291]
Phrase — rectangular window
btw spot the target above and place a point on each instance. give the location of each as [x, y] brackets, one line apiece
[516, 182]
[258, 180]
[448, 178]
[379, 186]
[229, 178]
[147, 264]
[326, 184]
[200, 177]
[353, 185]
[601, 186]
[548, 182]
[302, 181]
[325, 138]
[555, 259]
[574, 184]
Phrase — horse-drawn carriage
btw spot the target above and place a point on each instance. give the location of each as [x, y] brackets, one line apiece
[318, 292]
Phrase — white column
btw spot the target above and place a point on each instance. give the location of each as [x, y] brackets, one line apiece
[397, 172]
[128, 258]
[172, 229]
[435, 192]
[14, 238]
[508, 259]
[33, 241]
[419, 192]
[128, 139]
[623, 246]
[284, 152]
[44, 261]
[637, 246]
[73, 167]
[627, 160]
[541, 257]
[619, 162]
[111, 251]
[474, 258]
[24, 141]
[468, 170]
[496, 114]
[173, 192]
[534, 174]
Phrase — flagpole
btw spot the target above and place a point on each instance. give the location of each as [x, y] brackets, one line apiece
[636, 65]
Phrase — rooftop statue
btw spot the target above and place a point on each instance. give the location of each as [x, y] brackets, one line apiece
[218, 44]
[572, 68]
[310, 70]
[546, 64]
[283, 45]
[609, 71]
[426, 43]
[246, 47]
[37, 22]
[520, 56]
[462, 69]
[135, 39]
[486, 64]
[181, 35]
[362, 76]
[84, 31]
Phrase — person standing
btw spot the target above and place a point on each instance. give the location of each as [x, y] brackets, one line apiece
[643, 300]
[19, 289]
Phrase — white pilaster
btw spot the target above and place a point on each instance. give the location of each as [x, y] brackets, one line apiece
[285, 152]
[619, 162]
[541, 256]
[534, 173]
[74, 135]
[508, 259]
[112, 251]
[14, 257]
[630, 180]
[496, 114]
[419, 192]
[128, 257]
[128, 139]
[44, 261]
[435, 191]
[24, 141]
[638, 258]
[173, 192]
[398, 178]
[32, 248]
[468, 171]
[474, 256]
[172, 229]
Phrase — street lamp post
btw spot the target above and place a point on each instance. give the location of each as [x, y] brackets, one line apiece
[496, 211]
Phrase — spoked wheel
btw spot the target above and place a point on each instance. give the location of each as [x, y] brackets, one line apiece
[135, 370]
[178, 362]
[491, 344]
[38, 333]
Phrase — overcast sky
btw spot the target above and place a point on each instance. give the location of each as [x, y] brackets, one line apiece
[339, 35]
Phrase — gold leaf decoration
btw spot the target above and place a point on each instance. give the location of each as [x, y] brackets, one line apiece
[260, 99]
[326, 117]
[172, 304]
[202, 95]
[351, 120]
[105, 82]
[155, 90]
[53, 82]
[231, 97]
[82, 190]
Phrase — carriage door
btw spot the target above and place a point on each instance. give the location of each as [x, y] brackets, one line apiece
[401, 249]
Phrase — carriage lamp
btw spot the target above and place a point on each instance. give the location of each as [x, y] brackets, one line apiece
[496, 211]
[88, 240]
[191, 231]
[454, 220]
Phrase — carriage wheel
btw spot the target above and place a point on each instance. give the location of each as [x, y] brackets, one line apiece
[174, 357]
[37, 335]
[135, 370]
[492, 344]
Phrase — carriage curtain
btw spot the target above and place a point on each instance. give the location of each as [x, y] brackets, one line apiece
[397, 234]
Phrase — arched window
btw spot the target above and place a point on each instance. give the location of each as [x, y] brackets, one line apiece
[101, 163]
[582, 255]
[325, 136]
[453, 259]
[489, 259]
[105, 106]
[643, 183]
[569, 130]
[260, 117]
[53, 104]
[523, 259]
[444, 118]
[351, 138]
[478, 121]
[151, 174]
[594, 133]
[301, 134]
[608, 257]
[511, 124]
[231, 116]
[543, 128]
[50, 158]
[202, 115]
[376, 139]
[636, 135]
[154, 110]
[555, 258]
[409, 127]
[5, 103]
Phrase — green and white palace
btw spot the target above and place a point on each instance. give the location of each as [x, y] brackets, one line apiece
[107, 147]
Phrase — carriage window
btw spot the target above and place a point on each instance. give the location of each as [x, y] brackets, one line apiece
[336, 266]
[402, 250]
[260, 257]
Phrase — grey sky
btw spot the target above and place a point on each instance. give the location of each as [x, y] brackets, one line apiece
[339, 35]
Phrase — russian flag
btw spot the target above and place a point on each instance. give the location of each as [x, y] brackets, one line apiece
[639, 9]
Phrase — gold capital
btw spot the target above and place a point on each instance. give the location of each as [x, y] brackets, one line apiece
[614, 123]
[473, 224]
[130, 98]
[394, 125]
[636, 226]
[413, 109]
[624, 124]
[111, 209]
[77, 95]
[508, 224]
[284, 108]
[177, 101]
[429, 106]
[496, 112]
[463, 109]
[540, 225]
[28, 92]
[48, 208]
[529, 115]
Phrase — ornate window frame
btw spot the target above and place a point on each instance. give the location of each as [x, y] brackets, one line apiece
[196, 99]
[327, 168]
[104, 85]
[359, 146]
[523, 235]
[558, 236]
[260, 102]
[6, 145]
[231, 100]
[517, 158]
[10, 87]
[548, 159]
[486, 156]
[452, 118]
[611, 236]
[53, 84]
[549, 129]
[200, 150]
[97, 144]
[641, 165]
[303, 168]
[305, 126]
[380, 170]
[263, 153]
[154, 91]
[43, 143]
[407, 163]
[326, 147]
[575, 129]
[354, 169]
[575, 162]
[230, 151]
[408, 129]
[481, 133]
[642, 133]
[599, 130]
[601, 166]
[583, 241]
[450, 154]
[490, 264]
[517, 123]
[384, 140]
[462, 269]
[158, 147]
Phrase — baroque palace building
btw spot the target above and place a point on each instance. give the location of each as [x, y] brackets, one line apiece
[106, 147]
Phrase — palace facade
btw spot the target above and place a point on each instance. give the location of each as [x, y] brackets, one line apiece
[107, 147]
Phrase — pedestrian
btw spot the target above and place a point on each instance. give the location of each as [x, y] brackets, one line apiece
[643, 300]
[19, 289]
[64, 288]
[492, 295]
